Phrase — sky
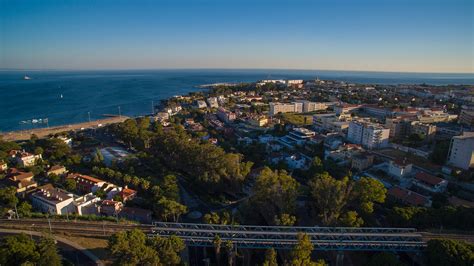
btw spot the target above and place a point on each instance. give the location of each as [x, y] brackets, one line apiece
[374, 35]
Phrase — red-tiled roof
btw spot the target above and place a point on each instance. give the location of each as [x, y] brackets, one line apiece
[408, 196]
[429, 179]
[86, 177]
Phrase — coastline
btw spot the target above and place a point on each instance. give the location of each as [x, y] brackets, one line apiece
[43, 132]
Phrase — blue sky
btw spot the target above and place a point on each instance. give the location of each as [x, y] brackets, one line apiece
[412, 36]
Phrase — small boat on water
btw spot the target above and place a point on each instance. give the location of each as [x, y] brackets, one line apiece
[26, 77]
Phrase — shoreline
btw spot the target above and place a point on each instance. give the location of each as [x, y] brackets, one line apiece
[43, 132]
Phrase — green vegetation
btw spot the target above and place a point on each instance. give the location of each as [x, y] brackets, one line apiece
[134, 248]
[443, 252]
[275, 193]
[296, 119]
[337, 201]
[23, 250]
[421, 217]
[301, 253]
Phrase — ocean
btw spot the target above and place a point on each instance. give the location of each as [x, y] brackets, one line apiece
[66, 97]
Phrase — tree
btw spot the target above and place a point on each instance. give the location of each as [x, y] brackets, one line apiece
[351, 219]
[8, 197]
[98, 158]
[384, 258]
[316, 166]
[24, 209]
[285, 219]
[18, 250]
[212, 218]
[170, 209]
[38, 150]
[168, 249]
[440, 152]
[275, 193]
[217, 243]
[48, 252]
[170, 187]
[270, 258]
[130, 248]
[330, 197]
[70, 184]
[301, 253]
[442, 252]
[367, 191]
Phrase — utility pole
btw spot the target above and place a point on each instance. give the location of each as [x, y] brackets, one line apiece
[120, 113]
[89, 115]
[49, 222]
[152, 108]
[16, 212]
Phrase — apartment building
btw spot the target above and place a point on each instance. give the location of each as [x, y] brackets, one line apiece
[294, 107]
[467, 117]
[461, 151]
[370, 136]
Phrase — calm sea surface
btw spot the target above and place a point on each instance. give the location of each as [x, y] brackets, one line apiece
[103, 92]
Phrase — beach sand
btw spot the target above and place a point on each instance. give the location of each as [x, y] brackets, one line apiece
[43, 132]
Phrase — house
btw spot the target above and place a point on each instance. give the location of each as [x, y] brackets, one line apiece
[49, 199]
[3, 166]
[136, 214]
[399, 168]
[23, 158]
[408, 197]
[127, 194]
[85, 183]
[362, 161]
[201, 104]
[297, 161]
[430, 183]
[86, 205]
[212, 102]
[110, 207]
[22, 181]
[57, 170]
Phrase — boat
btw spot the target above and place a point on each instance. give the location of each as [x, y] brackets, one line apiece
[26, 77]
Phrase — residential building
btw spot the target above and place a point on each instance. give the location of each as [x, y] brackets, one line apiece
[127, 194]
[294, 82]
[201, 104]
[22, 181]
[294, 107]
[399, 169]
[86, 205]
[297, 137]
[345, 108]
[212, 102]
[370, 136]
[461, 151]
[399, 127]
[467, 117]
[57, 170]
[408, 197]
[377, 111]
[430, 183]
[297, 161]
[110, 207]
[23, 158]
[331, 122]
[259, 121]
[362, 161]
[312, 106]
[225, 116]
[426, 130]
[49, 199]
[3, 166]
[85, 183]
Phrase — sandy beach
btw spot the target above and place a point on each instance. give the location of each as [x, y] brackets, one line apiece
[43, 132]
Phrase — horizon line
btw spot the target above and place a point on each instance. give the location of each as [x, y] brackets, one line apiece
[226, 68]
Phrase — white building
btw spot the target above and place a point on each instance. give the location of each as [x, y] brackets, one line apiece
[201, 104]
[24, 159]
[49, 199]
[430, 183]
[312, 106]
[370, 136]
[399, 169]
[212, 102]
[85, 205]
[461, 151]
[297, 137]
[294, 107]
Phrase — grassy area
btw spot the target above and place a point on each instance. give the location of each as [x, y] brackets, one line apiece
[98, 246]
[297, 119]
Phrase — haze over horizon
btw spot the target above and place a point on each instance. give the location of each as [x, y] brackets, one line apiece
[393, 36]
